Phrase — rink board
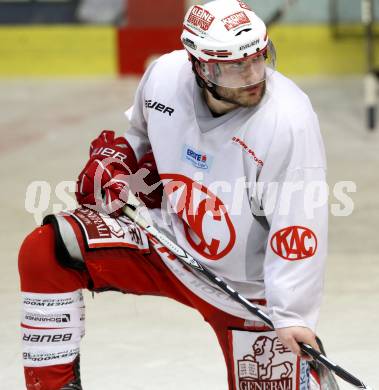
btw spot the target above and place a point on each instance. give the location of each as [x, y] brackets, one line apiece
[85, 50]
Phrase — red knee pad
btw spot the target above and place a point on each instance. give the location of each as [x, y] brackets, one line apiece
[40, 271]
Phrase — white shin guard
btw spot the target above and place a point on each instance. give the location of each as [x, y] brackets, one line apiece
[52, 327]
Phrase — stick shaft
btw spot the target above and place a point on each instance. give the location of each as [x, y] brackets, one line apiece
[190, 261]
[279, 13]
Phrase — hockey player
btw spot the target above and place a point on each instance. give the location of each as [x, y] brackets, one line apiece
[238, 151]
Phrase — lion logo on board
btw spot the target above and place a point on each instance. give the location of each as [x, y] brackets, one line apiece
[268, 367]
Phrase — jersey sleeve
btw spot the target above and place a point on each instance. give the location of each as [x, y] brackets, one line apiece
[137, 134]
[294, 201]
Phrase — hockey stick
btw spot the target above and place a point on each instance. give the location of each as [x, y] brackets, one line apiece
[280, 12]
[185, 258]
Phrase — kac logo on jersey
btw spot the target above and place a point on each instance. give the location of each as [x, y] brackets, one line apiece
[207, 225]
[294, 243]
[196, 158]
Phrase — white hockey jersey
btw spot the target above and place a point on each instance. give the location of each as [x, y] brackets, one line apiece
[246, 189]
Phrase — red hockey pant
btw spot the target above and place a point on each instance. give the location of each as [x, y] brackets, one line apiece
[122, 269]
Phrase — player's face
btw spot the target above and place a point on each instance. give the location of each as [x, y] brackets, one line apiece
[241, 83]
[245, 97]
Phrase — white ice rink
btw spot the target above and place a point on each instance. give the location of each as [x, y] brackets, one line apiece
[151, 343]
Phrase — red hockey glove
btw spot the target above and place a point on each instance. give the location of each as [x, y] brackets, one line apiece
[153, 192]
[102, 185]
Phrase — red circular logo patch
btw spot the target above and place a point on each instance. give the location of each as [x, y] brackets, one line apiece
[294, 243]
[207, 225]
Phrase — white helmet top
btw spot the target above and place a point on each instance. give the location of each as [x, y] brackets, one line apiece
[223, 30]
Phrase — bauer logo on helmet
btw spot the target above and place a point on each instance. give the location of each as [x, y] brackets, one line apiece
[250, 44]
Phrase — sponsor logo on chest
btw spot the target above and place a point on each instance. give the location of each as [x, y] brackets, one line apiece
[196, 158]
[250, 152]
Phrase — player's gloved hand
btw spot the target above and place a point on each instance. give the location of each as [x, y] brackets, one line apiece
[291, 336]
[102, 185]
[152, 194]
